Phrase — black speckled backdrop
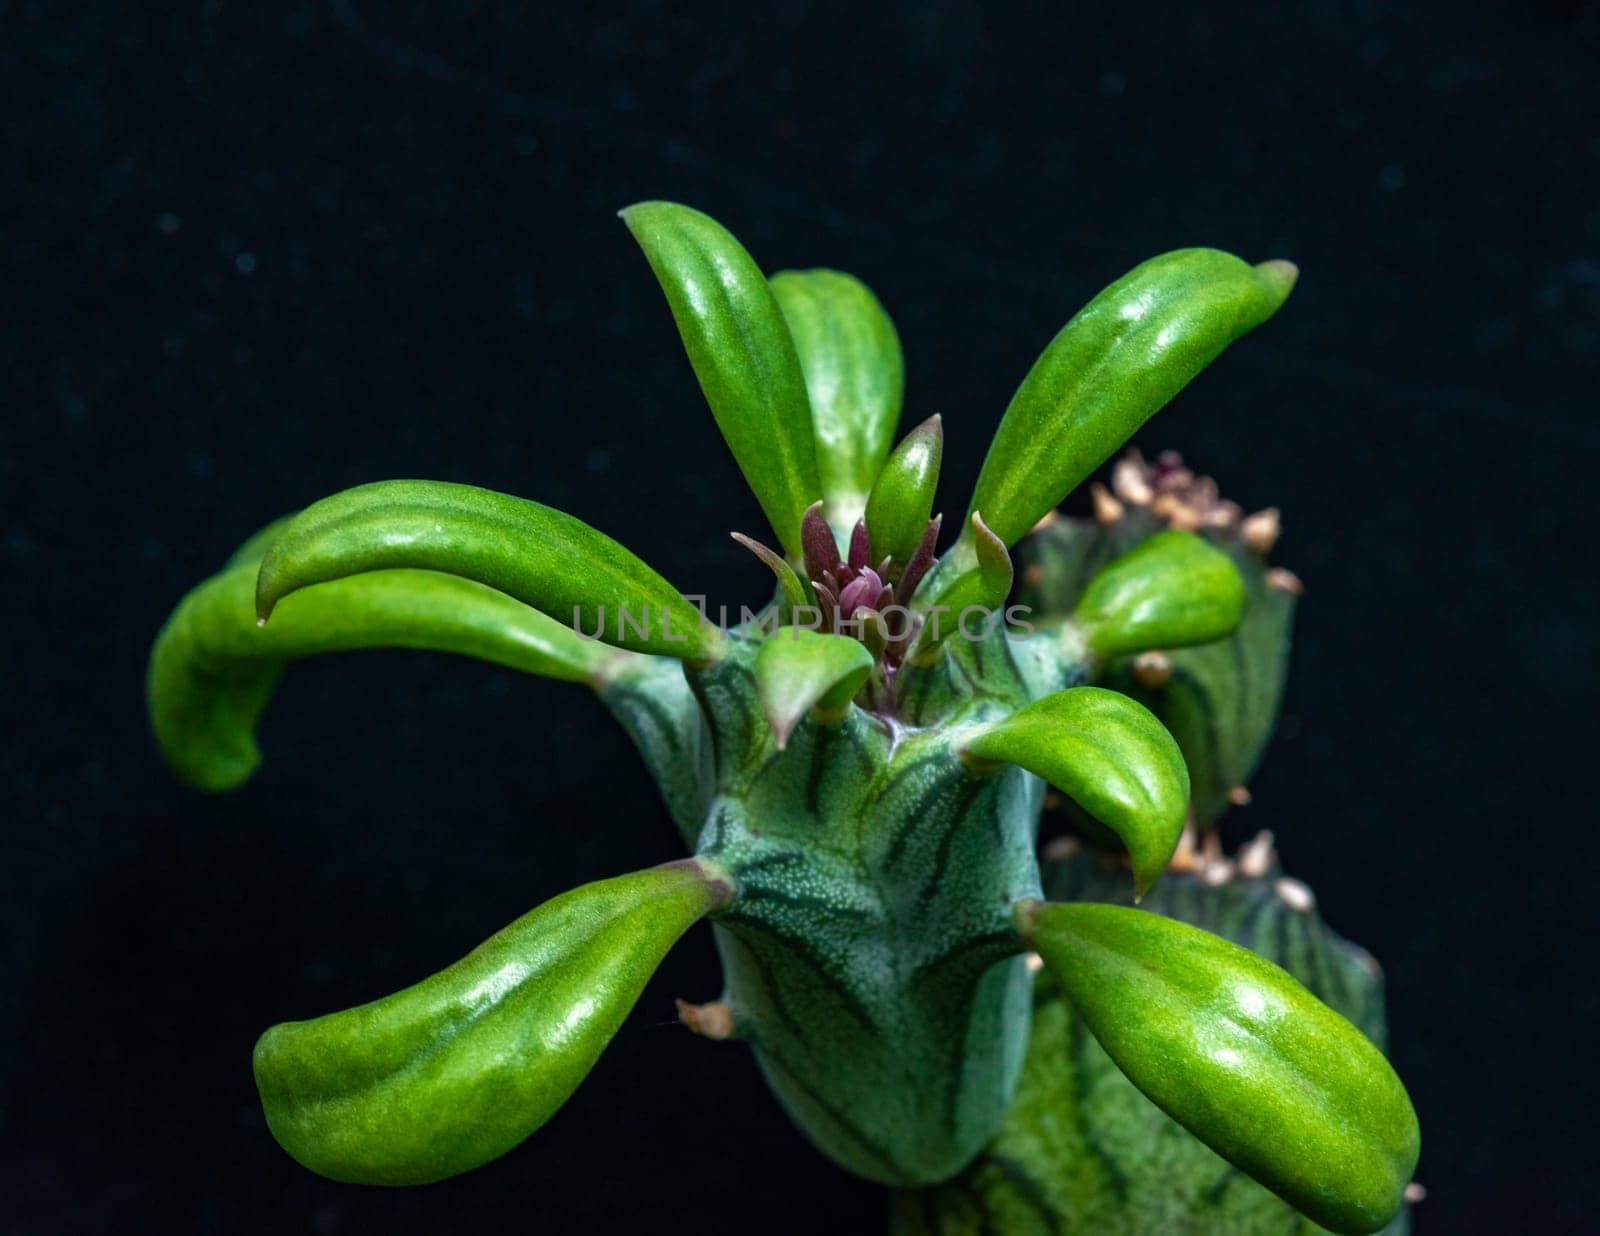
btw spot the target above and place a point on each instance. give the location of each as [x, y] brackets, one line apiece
[256, 253]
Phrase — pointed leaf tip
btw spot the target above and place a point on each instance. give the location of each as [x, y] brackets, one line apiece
[818, 548]
[994, 560]
[860, 547]
[921, 559]
[1110, 756]
[983, 585]
[902, 495]
[793, 590]
[799, 672]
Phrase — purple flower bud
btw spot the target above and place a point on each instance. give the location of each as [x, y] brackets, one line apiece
[816, 542]
[860, 546]
[921, 560]
[828, 603]
[860, 593]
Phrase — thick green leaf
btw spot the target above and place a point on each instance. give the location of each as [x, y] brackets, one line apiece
[1082, 1151]
[1111, 757]
[1169, 592]
[800, 671]
[1239, 1053]
[541, 556]
[453, 1072]
[1221, 699]
[854, 375]
[213, 668]
[743, 354]
[1125, 354]
[902, 497]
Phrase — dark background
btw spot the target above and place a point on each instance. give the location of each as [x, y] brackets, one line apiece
[255, 254]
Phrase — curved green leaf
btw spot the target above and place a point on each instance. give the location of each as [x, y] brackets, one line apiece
[1124, 355]
[794, 592]
[213, 667]
[1222, 698]
[1170, 591]
[854, 376]
[1111, 757]
[798, 671]
[539, 555]
[985, 586]
[901, 501]
[742, 353]
[453, 1072]
[1239, 1053]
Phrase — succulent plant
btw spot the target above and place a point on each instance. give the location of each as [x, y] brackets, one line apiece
[856, 766]
[1220, 700]
[1082, 1151]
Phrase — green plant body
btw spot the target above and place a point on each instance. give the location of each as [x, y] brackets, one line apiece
[1082, 1149]
[857, 770]
[1219, 699]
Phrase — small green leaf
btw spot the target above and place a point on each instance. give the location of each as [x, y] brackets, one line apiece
[742, 353]
[542, 557]
[213, 667]
[453, 1072]
[1111, 757]
[1169, 592]
[1222, 698]
[800, 671]
[1125, 354]
[902, 497]
[984, 587]
[793, 590]
[1239, 1053]
[854, 375]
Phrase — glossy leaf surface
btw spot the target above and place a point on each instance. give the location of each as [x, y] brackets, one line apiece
[1171, 591]
[455, 1071]
[799, 670]
[1239, 1053]
[741, 350]
[1111, 757]
[541, 556]
[213, 669]
[854, 376]
[984, 587]
[1124, 355]
[1083, 1151]
[901, 501]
